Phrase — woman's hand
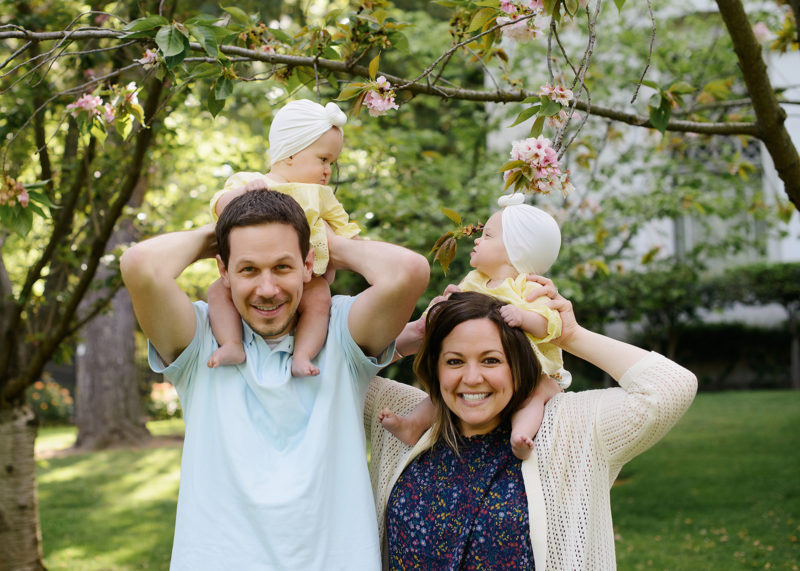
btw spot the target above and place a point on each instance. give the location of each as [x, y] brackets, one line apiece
[569, 325]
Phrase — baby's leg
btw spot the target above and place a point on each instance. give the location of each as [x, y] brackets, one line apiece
[526, 421]
[409, 429]
[312, 326]
[226, 324]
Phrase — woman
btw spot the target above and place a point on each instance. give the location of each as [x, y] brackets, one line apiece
[459, 499]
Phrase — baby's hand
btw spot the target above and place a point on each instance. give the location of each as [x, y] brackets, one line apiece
[512, 315]
[257, 184]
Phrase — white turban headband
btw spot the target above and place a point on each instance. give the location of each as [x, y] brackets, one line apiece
[298, 124]
[530, 235]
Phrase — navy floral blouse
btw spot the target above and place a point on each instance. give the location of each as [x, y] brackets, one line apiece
[461, 512]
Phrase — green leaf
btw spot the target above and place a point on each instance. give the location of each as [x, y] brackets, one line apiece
[649, 83]
[515, 164]
[550, 108]
[205, 69]
[526, 114]
[571, 6]
[171, 41]
[514, 177]
[356, 108]
[39, 197]
[538, 126]
[681, 87]
[16, 219]
[173, 61]
[650, 255]
[373, 66]
[203, 20]
[137, 111]
[98, 131]
[223, 88]
[399, 41]
[349, 91]
[480, 18]
[452, 215]
[207, 38]
[214, 105]
[123, 125]
[281, 36]
[619, 4]
[238, 14]
[446, 253]
[659, 116]
[145, 24]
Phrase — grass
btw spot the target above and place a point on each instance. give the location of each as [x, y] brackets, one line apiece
[721, 491]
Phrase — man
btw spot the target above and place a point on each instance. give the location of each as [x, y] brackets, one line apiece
[274, 472]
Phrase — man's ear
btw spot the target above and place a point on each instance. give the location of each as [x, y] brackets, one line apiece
[308, 266]
[223, 272]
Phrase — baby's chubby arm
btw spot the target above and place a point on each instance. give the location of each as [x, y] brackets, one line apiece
[529, 321]
[237, 190]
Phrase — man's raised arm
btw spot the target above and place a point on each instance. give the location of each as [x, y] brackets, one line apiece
[397, 277]
[149, 270]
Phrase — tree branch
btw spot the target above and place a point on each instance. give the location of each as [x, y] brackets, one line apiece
[770, 116]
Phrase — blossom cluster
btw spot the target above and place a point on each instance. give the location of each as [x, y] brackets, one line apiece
[517, 28]
[122, 100]
[563, 96]
[13, 192]
[535, 168]
[379, 97]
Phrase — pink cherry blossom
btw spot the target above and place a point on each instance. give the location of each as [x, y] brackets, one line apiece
[109, 113]
[508, 7]
[23, 198]
[87, 102]
[149, 59]
[540, 172]
[518, 29]
[380, 97]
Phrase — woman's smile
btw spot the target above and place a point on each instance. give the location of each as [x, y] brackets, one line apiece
[474, 376]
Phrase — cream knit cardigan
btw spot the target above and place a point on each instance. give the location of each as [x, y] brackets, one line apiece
[584, 440]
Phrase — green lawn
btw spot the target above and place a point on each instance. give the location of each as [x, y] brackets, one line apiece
[722, 491]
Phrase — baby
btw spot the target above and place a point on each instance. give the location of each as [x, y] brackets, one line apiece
[517, 240]
[305, 140]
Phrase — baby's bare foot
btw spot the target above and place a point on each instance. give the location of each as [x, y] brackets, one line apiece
[303, 367]
[402, 429]
[521, 446]
[227, 354]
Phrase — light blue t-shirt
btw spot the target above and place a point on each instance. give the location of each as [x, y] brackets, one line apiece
[274, 469]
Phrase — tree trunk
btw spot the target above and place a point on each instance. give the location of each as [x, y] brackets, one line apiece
[20, 536]
[108, 401]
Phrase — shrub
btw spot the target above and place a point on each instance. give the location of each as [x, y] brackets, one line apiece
[51, 402]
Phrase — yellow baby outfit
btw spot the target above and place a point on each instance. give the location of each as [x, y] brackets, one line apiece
[516, 291]
[318, 202]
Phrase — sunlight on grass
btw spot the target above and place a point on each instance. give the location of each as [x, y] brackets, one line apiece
[51, 438]
[109, 510]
